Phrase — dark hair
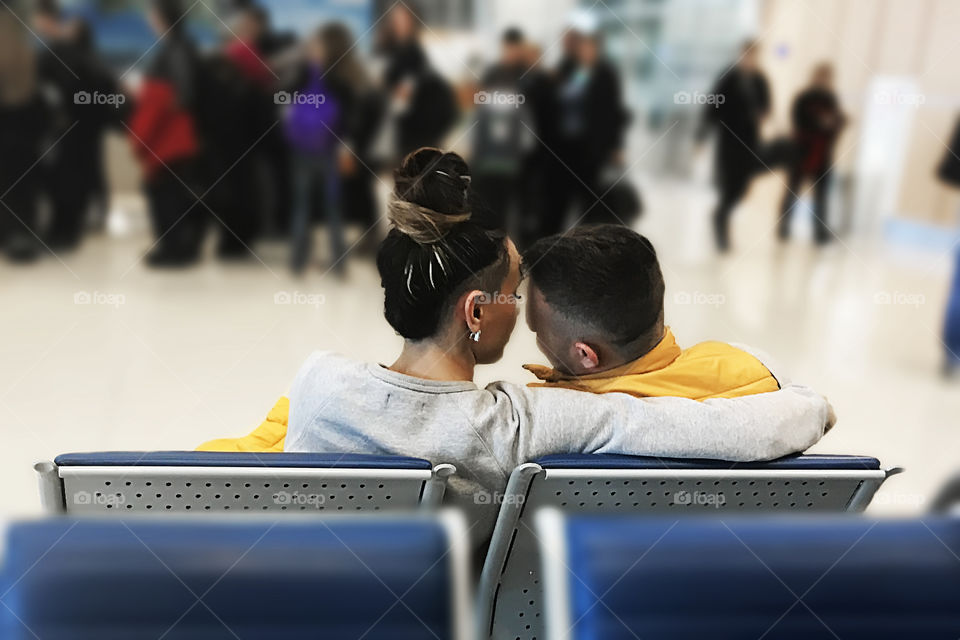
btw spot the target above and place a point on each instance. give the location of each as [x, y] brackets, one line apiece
[342, 62]
[437, 248]
[49, 8]
[604, 276]
[512, 35]
[170, 11]
[260, 14]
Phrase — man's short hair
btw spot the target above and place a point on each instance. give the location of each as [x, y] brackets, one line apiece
[605, 277]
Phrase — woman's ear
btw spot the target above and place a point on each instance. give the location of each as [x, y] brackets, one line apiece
[473, 309]
[586, 356]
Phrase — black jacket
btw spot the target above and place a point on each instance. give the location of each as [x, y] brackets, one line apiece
[949, 170]
[600, 111]
[746, 100]
[432, 110]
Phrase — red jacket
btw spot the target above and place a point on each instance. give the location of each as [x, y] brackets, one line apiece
[162, 131]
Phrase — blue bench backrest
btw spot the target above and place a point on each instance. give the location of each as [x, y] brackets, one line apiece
[226, 459]
[797, 462]
[125, 580]
[826, 577]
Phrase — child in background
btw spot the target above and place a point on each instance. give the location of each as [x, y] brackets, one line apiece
[312, 126]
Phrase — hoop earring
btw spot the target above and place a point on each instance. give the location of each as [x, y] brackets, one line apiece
[475, 335]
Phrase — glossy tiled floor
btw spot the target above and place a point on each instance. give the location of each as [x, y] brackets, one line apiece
[97, 352]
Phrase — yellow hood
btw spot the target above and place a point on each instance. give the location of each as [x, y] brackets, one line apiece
[706, 370]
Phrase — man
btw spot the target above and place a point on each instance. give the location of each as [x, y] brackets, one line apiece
[590, 126]
[499, 140]
[817, 122]
[736, 118]
[164, 133]
[596, 306]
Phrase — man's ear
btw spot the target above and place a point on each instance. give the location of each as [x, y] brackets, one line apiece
[586, 356]
[473, 309]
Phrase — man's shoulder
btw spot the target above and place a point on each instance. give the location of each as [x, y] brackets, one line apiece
[745, 357]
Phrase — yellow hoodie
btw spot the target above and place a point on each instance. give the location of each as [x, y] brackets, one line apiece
[267, 438]
[706, 370]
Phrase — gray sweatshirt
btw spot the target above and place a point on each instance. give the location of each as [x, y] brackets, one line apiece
[341, 405]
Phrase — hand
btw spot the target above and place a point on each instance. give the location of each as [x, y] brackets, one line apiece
[346, 162]
[831, 417]
[403, 91]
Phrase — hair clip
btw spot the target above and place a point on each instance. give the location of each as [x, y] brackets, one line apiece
[439, 261]
[466, 179]
[409, 270]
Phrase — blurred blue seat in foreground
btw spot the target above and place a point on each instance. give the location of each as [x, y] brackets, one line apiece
[377, 577]
[791, 577]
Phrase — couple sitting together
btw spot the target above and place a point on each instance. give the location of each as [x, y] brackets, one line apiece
[619, 383]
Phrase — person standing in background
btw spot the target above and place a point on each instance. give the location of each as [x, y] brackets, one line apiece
[362, 111]
[313, 124]
[103, 118]
[236, 111]
[539, 90]
[272, 150]
[66, 77]
[499, 140]
[423, 103]
[817, 122]
[163, 128]
[24, 124]
[590, 125]
[737, 119]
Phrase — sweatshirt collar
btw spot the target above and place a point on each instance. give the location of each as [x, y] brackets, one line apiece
[657, 358]
[419, 384]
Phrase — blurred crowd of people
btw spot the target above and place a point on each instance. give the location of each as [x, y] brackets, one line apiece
[264, 134]
[51, 140]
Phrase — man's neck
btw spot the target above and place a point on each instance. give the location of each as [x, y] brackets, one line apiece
[611, 358]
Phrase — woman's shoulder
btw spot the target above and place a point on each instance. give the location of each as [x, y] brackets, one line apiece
[328, 368]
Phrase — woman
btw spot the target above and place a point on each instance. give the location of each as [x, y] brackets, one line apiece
[314, 130]
[362, 110]
[423, 103]
[450, 286]
[590, 123]
[817, 123]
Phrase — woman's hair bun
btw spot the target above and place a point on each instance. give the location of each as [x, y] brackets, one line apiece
[430, 196]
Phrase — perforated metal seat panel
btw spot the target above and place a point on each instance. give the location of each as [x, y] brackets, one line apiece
[190, 481]
[224, 489]
[653, 492]
[515, 588]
